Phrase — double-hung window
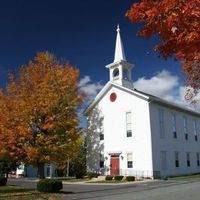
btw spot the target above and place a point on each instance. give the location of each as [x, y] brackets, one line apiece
[128, 124]
[185, 127]
[198, 162]
[101, 129]
[176, 159]
[129, 160]
[188, 159]
[101, 162]
[174, 125]
[195, 129]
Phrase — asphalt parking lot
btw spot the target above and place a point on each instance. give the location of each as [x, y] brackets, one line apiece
[150, 190]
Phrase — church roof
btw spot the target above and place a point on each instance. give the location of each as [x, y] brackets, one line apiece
[142, 95]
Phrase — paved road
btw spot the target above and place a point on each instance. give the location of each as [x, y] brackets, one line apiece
[157, 190]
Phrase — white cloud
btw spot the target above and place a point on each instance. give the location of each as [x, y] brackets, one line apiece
[88, 87]
[166, 86]
[84, 80]
[163, 84]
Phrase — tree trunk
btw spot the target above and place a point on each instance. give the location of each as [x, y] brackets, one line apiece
[41, 171]
[67, 174]
[6, 173]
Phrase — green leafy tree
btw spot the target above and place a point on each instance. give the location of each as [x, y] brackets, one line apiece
[77, 165]
[7, 166]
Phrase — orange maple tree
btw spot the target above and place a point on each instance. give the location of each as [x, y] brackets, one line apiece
[39, 122]
[177, 24]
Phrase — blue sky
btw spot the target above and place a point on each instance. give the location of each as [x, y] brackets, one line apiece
[82, 32]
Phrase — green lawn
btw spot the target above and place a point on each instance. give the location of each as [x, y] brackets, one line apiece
[20, 193]
[12, 189]
[111, 181]
[73, 180]
[185, 176]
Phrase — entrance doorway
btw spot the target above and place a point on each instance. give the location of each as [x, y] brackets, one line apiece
[114, 165]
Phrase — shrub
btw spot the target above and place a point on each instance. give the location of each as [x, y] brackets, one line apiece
[108, 178]
[91, 175]
[164, 178]
[118, 178]
[79, 175]
[3, 181]
[130, 178]
[49, 185]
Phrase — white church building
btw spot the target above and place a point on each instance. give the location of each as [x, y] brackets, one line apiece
[134, 133]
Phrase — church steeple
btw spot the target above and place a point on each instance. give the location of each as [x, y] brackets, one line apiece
[120, 69]
[119, 49]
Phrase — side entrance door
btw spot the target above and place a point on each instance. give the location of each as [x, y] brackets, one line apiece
[114, 165]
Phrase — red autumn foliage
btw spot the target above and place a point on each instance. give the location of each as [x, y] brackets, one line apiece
[177, 24]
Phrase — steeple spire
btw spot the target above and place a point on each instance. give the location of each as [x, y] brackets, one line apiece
[120, 69]
[119, 49]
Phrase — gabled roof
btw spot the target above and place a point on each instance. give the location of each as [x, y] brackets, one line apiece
[106, 88]
[169, 104]
[145, 96]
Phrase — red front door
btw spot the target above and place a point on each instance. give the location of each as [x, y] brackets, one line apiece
[114, 165]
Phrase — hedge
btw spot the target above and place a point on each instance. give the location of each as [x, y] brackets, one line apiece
[3, 181]
[108, 178]
[118, 178]
[91, 175]
[130, 178]
[49, 185]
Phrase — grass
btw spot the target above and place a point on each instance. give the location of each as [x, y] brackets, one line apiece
[12, 189]
[20, 193]
[111, 181]
[74, 180]
[190, 176]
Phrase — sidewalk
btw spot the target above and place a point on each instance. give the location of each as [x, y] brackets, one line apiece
[95, 182]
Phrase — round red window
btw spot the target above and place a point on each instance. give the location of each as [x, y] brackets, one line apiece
[113, 97]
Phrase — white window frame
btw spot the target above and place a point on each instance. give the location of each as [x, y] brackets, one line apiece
[198, 159]
[185, 127]
[188, 159]
[195, 129]
[174, 131]
[101, 159]
[101, 128]
[129, 161]
[129, 132]
[176, 156]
